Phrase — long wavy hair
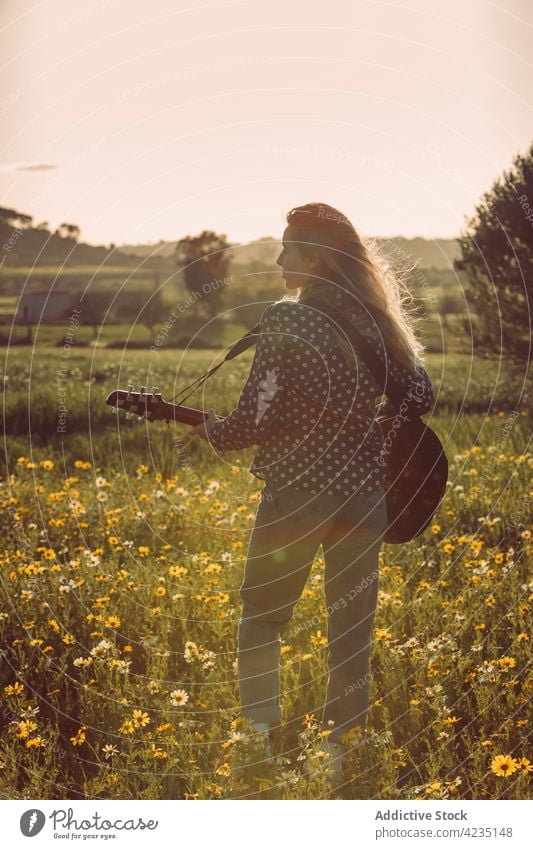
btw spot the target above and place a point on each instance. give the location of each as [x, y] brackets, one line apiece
[371, 289]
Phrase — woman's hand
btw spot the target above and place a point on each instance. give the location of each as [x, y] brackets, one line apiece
[202, 430]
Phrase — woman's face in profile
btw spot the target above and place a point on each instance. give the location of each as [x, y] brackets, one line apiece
[297, 268]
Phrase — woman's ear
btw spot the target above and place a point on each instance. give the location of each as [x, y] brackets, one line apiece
[312, 261]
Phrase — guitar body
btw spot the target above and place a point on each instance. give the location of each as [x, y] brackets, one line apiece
[417, 473]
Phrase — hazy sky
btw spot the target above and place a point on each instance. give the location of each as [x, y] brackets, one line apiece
[140, 121]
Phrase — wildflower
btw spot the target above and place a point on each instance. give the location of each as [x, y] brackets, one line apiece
[113, 622]
[143, 550]
[177, 571]
[127, 727]
[191, 651]
[486, 743]
[433, 788]
[47, 465]
[165, 728]
[525, 765]
[224, 770]
[15, 689]
[490, 601]
[36, 743]
[507, 662]
[318, 639]
[504, 765]
[109, 751]
[101, 649]
[157, 752]
[522, 637]
[179, 697]
[435, 529]
[140, 718]
[25, 728]
[160, 591]
[80, 736]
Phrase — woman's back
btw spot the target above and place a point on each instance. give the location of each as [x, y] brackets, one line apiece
[312, 413]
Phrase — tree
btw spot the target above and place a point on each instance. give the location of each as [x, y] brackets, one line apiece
[151, 308]
[68, 231]
[449, 304]
[497, 256]
[16, 219]
[205, 261]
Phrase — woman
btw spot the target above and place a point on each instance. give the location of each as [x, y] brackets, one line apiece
[309, 403]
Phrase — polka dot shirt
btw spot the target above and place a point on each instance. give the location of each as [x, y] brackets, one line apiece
[312, 414]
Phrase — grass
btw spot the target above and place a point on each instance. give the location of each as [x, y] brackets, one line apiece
[121, 563]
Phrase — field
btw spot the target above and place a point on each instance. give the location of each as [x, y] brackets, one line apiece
[123, 552]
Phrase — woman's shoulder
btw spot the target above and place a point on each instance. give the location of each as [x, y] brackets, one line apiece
[298, 319]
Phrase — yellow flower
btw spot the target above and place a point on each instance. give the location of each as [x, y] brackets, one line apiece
[113, 540]
[15, 689]
[47, 464]
[224, 770]
[526, 765]
[486, 743]
[140, 718]
[490, 601]
[435, 529]
[318, 639]
[433, 788]
[522, 637]
[80, 736]
[113, 622]
[127, 727]
[160, 591]
[177, 571]
[36, 743]
[507, 662]
[158, 753]
[382, 634]
[25, 728]
[143, 550]
[504, 765]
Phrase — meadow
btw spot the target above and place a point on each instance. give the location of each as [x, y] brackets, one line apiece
[123, 547]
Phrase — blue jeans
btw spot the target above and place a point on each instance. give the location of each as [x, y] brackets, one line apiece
[290, 526]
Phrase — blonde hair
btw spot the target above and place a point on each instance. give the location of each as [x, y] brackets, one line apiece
[371, 289]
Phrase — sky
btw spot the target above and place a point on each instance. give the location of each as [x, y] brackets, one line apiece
[148, 121]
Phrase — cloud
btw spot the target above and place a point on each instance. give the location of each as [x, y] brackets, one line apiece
[40, 167]
[10, 167]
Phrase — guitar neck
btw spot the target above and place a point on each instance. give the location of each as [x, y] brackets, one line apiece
[179, 413]
[153, 407]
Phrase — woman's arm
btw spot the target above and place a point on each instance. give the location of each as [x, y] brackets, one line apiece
[257, 407]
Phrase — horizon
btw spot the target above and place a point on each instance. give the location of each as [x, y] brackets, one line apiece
[142, 125]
